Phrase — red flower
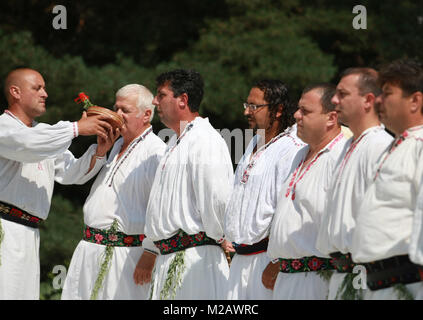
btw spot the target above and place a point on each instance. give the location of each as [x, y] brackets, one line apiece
[87, 233]
[315, 264]
[15, 212]
[284, 265]
[173, 243]
[296, 264]
[98, 238]
[199, 236]
[141, 237]
[34, 219]
[128, 240]
[165, 247]
[82, 97]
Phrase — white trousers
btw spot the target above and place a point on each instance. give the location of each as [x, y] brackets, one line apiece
[118, 284]
[205, 276]
[245, 277]
[20, 262]
[300, 286]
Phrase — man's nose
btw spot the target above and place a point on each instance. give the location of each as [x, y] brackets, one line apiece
[247, 111]
[335, 99]
[155, 102]
[297, 115]
[44, 93]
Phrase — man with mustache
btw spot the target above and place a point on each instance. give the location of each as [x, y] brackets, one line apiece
[301, 204]
[258, 181]
[355, 103]
[386, 233]
[32, 157]
[189, 196]
[118, 200]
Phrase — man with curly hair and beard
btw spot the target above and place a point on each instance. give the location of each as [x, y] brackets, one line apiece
[258, 179]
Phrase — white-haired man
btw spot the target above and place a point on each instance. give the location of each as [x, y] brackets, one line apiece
[114, 255]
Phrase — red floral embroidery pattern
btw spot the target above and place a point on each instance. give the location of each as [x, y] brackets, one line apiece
[182, 241]
[305, 264]
[117, 239]
[16, 213]
[343, 263]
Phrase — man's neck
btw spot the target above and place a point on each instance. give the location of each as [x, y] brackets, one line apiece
[411, 123]
[18, 113]
[363, 125]
[183, 122]
[271, 132]
[127, 139]
[315, 148]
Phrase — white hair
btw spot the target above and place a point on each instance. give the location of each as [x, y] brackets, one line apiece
[145, 97]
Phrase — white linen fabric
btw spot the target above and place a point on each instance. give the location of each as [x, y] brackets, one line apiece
[31, 159]
[355, 172]
[251, 208]
[416, 242]
[297, 220]
[190, 192]
[205, 276]
[252, 204]
[120, 191]
[385, 219]
[245, 277]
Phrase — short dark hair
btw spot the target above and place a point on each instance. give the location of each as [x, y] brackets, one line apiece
[184, 81]
[276, 94]
[327, 92]
[405, 73]
[368, 80]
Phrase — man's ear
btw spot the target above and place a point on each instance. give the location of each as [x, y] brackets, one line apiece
[332, 119]
[183, 100]
[15, 92]
[416, 102]
[369, 101]
[147, 115]
[279, 111]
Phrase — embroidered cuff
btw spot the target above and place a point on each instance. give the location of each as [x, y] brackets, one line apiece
[100, 157]
[75, 129]
[220, 241]
[151, 251]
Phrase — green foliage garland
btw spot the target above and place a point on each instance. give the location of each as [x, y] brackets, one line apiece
[346, 291]
[174, 276]
[105, 266]
[402, 292]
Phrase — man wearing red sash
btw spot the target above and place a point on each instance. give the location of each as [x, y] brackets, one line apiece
[114, 212]
[304, 269]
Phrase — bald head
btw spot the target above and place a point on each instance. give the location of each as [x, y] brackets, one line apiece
[17, 78]
[25, 93]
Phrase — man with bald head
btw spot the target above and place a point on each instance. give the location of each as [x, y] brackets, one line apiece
[32, 157]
